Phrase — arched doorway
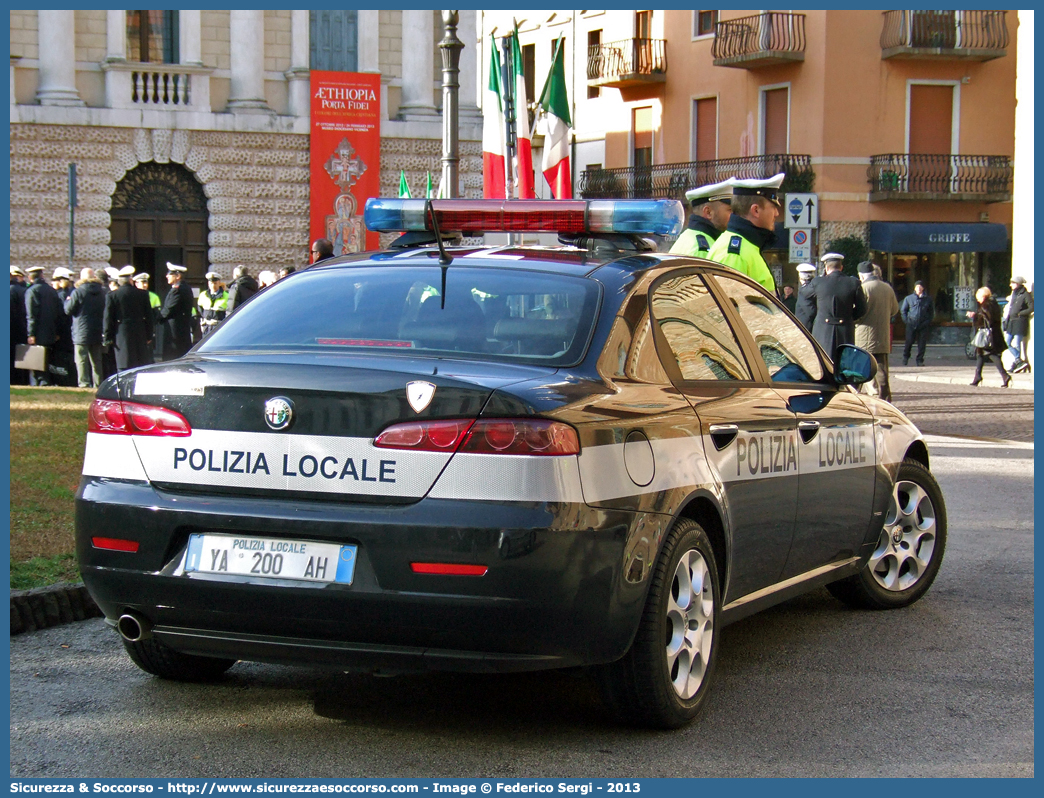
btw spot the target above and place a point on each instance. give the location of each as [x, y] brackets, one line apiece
[159, 214]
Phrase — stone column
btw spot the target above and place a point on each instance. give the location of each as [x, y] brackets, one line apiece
[247, 43]
[418, 64]
[57, 58]
[469, 67]
[298, 74]
[190, 34]
[369, 36]
[116, 36]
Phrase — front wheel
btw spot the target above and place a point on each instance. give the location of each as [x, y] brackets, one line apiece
[909, 550]
[664, 678]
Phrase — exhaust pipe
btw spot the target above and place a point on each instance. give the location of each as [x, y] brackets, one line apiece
[133, 628]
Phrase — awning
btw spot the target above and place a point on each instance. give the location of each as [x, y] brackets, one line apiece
[937, 237]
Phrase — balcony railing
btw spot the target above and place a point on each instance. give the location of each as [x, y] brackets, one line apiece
[672, 180]
[978, 178]
[771, 37]
[967, 35]
[630, 62]
[170, 87]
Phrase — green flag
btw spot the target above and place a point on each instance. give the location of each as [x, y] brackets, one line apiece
[404, 187]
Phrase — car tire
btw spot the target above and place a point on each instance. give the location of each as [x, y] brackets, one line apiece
[910, 549]
[161, 660]
[663, 680]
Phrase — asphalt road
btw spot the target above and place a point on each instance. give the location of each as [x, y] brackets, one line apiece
[810, 688]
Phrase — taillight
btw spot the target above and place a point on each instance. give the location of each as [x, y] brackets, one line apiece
[485, 436]
[448, 569]
[424, 436]
[130, 418]
[115, 544]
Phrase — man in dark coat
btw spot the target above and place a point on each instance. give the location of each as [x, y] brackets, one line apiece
[917, 311]
[43, 311]
[19, 335]
[176, 312]
[805, 308]
[86, 308]
[1017, 317]
[128, 323]
[839, 301]
[243, 287]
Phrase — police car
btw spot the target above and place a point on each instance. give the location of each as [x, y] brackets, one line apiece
[499, 458]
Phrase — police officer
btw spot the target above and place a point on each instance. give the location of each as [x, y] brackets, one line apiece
[711, 207]
[43, 311]
[751, 228]
[128, 322]
[839, 301]
[176, 312]
[141, 280]
[213, 303]
[805, 308]
[18, 323]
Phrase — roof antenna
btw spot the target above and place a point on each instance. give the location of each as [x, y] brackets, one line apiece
[444, 259]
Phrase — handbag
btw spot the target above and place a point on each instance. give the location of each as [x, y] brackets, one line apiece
[29, 357]
[983, 338]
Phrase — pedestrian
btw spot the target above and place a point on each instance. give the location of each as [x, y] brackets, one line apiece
[751, 228]
[213, 303]
[19, 333]
[839, 301]
[1017, 315]
[711, 207]
[141, 281]
[128, 322]
[61, 360]
[987, 318]
[789, 297]
[873, 332]
[322, 250]
[286, 271]
[265, 278]
[804, 307]
[43, 312]
[243, 287]
[917, 311]
[86, 309]
[176, 313]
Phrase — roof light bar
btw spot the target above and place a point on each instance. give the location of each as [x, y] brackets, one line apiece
[639, 217]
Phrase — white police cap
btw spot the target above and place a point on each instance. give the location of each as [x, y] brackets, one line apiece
[141, 276]
[112, 272]
[126, 271]
[175, 269]
[832, 256]
[713, 192]
[213, 276]
[806, 268]
[17, 272]
[62, 273]
[767, 187]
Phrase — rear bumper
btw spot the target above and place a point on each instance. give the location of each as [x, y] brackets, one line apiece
[561, 588]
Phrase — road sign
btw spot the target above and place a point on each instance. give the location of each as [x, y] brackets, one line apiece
[802, 210]
[800, 245]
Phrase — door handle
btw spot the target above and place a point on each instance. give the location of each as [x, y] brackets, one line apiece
[723, 434]
[807, 430]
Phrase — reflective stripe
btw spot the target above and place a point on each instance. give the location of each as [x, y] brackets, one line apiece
[112, 456]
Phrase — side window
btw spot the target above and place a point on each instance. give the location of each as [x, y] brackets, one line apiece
[784, 346]
[696, 331]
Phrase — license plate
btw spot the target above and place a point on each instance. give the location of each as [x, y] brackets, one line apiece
[270, 558]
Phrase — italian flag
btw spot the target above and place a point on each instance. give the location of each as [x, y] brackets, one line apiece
[493, 179]
[523, 136]
[556, 123]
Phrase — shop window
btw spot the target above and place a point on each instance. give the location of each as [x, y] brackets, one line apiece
[152, 37]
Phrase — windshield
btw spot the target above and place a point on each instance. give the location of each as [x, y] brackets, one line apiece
[487, 313]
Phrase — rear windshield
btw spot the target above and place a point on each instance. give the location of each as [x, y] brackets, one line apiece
[487, 313]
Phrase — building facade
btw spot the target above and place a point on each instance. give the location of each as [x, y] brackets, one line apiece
[189, 130]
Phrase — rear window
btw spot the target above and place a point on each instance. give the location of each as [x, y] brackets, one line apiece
[487, 313]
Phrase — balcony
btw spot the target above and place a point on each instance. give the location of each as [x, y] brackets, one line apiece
[631, 62]
[167, 87]
[962, 35]
[970, 178]
[772, 37]
[672, 180]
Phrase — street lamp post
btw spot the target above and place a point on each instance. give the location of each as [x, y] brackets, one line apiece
[450, 48]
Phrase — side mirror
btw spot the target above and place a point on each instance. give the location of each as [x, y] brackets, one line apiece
[854, 366]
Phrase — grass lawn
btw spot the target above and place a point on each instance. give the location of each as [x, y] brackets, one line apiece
[48, 431]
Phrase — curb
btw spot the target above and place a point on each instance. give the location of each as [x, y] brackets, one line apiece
[43, 607]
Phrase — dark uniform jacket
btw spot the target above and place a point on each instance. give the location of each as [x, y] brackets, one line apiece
[43, 311]
[805, 307]
[839, 301]
[240, 291]
[18, 317]
[128, 326]
[1020, 310]
[696, 239]
[86, 307]
[177, 313]
[988, 314]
